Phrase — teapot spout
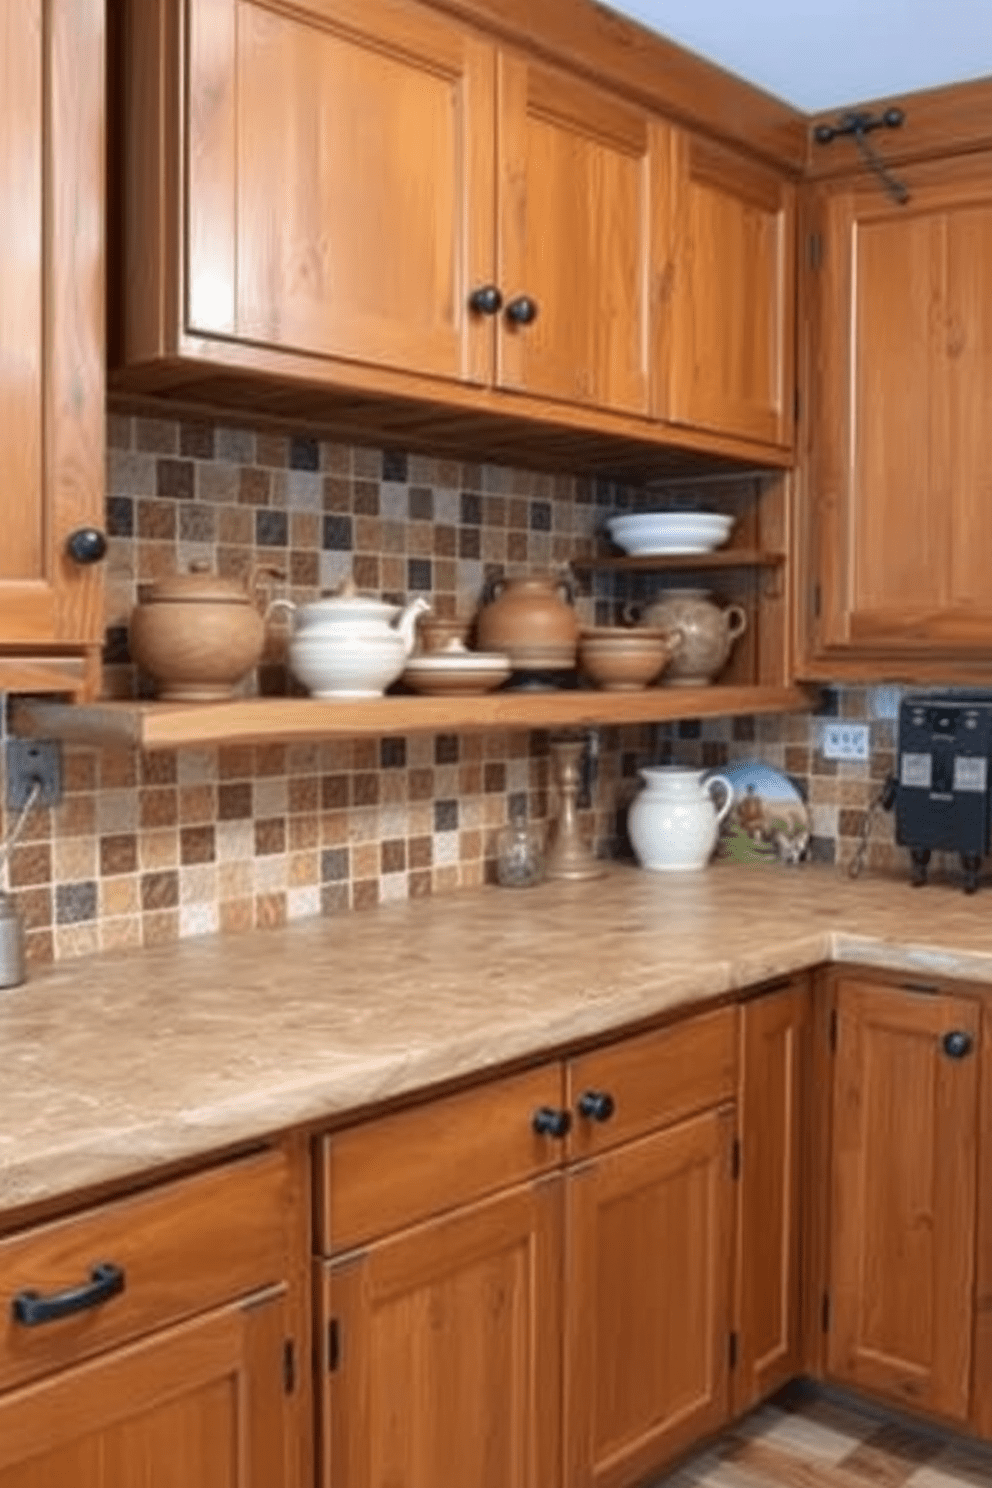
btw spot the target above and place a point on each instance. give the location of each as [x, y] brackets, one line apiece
[406, 621]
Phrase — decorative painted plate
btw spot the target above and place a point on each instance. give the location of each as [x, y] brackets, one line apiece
[768, 821]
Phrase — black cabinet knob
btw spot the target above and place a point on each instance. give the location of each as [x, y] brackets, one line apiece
[957, 1044]
[596, 1105]
[486, 300]
[522, 310]
[86, 545]
[547, 1121]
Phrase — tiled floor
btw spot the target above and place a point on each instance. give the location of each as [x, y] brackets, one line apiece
[816, 1443]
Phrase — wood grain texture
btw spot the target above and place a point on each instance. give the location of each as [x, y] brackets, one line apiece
[981, 1395]
[400, 1169]
[198, 1406]
[169, 726]
[774, 1082]
[897, 473]
[574, 233]
[184, 1248]
[51, 317]
[724, 291]
[449, 1351]
[650, 1229]
[655, 1079]
[904, 1174]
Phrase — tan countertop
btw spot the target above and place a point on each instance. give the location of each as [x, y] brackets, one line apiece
[123, 1062]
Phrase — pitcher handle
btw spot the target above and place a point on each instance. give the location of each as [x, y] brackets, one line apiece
[728, 800]
[736, 621]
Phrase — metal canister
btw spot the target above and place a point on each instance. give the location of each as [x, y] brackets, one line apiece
[11, 943]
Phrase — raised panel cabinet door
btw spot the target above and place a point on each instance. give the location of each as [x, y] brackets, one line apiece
[574, 239]
[340, 181]
[440, 1352]
[775, 1032]
[903, 1199]
[901, 468]
[51, 321]
[198, 1406]
[648, 1288]
[724, 292]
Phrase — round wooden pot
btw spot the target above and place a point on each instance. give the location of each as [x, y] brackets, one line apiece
[197, 635]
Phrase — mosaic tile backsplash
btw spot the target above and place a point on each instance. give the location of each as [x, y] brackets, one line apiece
[149, 848]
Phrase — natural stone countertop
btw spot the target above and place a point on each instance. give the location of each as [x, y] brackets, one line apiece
[125, 1061]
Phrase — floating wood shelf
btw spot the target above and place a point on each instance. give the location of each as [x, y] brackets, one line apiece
[630, 563]
[147, 725]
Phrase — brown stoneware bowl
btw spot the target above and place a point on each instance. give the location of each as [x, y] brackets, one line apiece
[625, 660]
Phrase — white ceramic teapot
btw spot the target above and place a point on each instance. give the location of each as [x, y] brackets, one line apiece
[349, 644]
[673, 822]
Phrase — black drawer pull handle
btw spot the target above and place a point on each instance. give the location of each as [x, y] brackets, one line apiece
[547, 1121]
[957, 1044]
[31, 1308]
[596, 1105]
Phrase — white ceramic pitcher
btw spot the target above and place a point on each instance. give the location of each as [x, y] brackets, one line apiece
[674, 820]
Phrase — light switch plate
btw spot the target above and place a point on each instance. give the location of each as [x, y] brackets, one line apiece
[28, 761]
[845, 741]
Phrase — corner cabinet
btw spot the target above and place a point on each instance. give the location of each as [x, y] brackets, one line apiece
[51, 344]
[899, 469]
[510, 242]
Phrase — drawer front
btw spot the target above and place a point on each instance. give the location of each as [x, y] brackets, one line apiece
[396, 1170]
[182, 1248]
[651, 1080]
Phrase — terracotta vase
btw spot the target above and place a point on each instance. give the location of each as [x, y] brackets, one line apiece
[531, 620]
[708, 634]
[196, 634]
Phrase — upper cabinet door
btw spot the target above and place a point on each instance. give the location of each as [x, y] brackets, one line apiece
[340, 191]
[725, 292]
[902, 466]
[575, 178]
[51, 325]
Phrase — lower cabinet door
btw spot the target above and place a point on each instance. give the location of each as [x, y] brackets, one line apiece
[441, 1351]
[903, 1201]
[775, 1041]
[202, 1405]
[648, 1285]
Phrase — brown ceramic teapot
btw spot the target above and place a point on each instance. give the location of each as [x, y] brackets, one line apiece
[196, 634]
[531, 620]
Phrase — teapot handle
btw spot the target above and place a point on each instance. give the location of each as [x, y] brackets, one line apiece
[728, 798]
[736, 621]
[631, 613]
[264, 575]
[280, 604]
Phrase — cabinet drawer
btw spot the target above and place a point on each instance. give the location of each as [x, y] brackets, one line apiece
[182, 1248]
[391, 1172]
[653, 1079]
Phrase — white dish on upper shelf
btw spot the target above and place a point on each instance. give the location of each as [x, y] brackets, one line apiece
[654, 534]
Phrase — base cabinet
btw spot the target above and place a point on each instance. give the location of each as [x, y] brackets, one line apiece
[903, 1195]
[199, 1406]
[648, 1286]
[442, 1351]
[776, 1030]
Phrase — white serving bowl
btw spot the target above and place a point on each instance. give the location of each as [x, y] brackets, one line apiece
[648, 533]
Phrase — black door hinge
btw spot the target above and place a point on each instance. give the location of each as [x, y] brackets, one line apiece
[797, 404]
[289, 1366]
[732, 1351]
[815, 601]
[735, 1159]
[333, 1346]
[833, 1030]
[825, 1313]
[815, 250]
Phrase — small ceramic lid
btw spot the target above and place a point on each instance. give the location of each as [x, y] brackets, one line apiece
[345, 603]
[199, 586]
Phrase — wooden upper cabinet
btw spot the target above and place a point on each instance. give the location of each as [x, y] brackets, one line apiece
[574, 233]
[901, 465]
[724, 291]
[903, 1199]
[51, 338]
[340, 181]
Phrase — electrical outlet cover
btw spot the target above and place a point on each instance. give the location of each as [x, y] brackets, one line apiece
[845, 741]
[28, 761]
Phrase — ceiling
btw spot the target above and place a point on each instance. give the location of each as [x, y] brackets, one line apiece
[823, 55]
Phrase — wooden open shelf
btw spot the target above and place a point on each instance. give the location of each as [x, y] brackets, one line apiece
[628, 563]
[147, 725]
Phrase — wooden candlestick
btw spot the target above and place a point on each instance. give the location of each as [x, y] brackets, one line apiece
[568, 856]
